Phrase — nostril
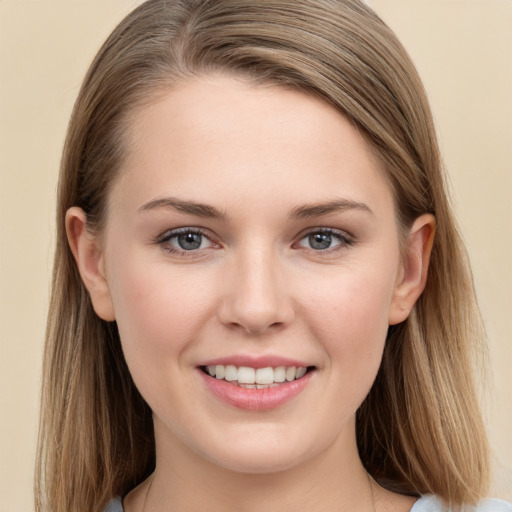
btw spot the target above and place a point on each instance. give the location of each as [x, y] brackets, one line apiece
[256, 306]
[256, 326]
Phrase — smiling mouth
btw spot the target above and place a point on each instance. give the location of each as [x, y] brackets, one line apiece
[256, 378]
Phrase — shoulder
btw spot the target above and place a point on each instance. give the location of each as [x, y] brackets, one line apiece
[424, 504]
[433, 504]
[116, 505]
[494, 506]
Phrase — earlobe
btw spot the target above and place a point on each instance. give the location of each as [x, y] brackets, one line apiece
[413, 275]
[89, 258]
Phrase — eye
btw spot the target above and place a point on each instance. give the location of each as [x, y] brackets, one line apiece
[185, 240]
[188, 241]
[324, 240]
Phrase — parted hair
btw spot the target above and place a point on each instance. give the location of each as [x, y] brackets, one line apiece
[420, 430]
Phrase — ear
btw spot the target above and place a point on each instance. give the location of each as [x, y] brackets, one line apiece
[414, 268]
[86, 249]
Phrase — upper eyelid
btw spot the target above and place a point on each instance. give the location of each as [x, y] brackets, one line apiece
[345, 240]
[165, 243]
[333, 231]
[170, 233]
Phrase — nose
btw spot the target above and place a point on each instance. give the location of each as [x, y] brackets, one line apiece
[256, 295]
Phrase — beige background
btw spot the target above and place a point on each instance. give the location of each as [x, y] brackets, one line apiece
[463, 49]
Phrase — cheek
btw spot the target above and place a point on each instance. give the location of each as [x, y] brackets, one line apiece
[350, 323]
[350, 319]
[159, 309]
[159, 313]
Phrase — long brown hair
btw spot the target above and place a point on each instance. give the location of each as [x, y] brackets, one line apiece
[419, 430]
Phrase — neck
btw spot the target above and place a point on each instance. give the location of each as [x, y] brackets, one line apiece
[333, 480]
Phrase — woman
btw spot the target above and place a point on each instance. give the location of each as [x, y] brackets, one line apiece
[260, 298]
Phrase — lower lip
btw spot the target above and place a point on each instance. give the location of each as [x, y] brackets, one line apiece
[255, 399]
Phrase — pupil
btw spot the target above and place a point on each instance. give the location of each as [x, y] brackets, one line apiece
[320, 240]
[190, 241]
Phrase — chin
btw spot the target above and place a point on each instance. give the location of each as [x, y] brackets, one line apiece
[259, 462]
[258, 451]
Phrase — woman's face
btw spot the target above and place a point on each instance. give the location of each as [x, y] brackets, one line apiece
[250, 229]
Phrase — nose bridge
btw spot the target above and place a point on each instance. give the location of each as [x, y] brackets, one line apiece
[256, 298]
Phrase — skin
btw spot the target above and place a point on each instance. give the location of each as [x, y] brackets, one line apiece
[257, 155]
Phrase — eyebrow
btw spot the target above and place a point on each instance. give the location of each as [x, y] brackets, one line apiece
[191, 207]
[320, 209]
[308, 211]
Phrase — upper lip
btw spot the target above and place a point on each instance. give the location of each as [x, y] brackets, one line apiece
[256, 361]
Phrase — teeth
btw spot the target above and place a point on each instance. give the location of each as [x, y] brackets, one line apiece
[231, 373]
[246, 375]
[279, 374]
[220, 371]
[291, 372]
[300, 373]
[265, 376]
[259, 378]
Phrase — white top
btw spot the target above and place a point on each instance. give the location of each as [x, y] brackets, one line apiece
[424, 504]
[433, 504]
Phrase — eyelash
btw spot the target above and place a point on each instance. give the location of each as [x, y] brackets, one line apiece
[345, 240]
[164, 241]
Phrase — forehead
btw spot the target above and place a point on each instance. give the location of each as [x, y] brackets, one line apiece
[220, 137]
